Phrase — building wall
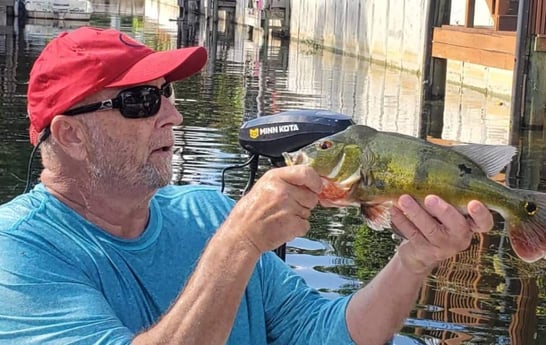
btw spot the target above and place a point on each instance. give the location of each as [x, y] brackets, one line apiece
[390, 32]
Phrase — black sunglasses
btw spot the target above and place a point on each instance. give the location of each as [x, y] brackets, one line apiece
[133, 103]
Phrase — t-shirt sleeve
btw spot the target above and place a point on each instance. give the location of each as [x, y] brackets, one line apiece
[296, 313]
[39, 305]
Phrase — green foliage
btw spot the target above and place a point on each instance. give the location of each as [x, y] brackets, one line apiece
[372, 250]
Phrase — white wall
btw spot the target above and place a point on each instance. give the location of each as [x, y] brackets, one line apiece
[390, 31]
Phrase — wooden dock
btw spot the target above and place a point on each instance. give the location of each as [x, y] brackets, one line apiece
[488, 46]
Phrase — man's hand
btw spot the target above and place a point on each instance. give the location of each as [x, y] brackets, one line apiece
[277, 208]
[436, 231]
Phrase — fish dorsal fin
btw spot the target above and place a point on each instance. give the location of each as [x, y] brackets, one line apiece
[491, 158]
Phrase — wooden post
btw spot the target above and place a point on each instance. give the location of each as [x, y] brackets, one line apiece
[534, 111]
[534, 98]
[215, 11]
[519, 83]
[182, 33]
[264, 66]
[528, 99]
[470, 12]
[433, 80]
[286, 21]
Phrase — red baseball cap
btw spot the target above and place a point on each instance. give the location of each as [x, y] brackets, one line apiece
[79, 63]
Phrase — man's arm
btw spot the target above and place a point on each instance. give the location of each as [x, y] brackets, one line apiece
[274, 212]
[435, 232]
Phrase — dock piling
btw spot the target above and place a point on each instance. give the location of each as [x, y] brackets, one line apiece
[433, 78]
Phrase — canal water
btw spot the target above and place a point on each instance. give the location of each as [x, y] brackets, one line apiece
[483, 296]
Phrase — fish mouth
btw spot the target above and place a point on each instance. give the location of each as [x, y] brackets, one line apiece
[296, 158]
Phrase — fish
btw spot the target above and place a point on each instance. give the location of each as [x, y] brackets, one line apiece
[363, 167]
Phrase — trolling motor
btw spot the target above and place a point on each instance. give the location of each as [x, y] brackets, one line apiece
[288, 131]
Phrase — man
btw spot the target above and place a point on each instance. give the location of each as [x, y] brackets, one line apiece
[104, 251]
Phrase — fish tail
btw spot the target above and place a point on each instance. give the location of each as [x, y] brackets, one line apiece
[527, 227]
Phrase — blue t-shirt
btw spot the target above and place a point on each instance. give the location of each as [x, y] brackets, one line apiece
[65, 281]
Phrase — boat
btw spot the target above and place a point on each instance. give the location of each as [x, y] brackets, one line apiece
[55, 9]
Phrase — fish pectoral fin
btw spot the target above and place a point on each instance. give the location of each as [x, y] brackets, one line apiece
[366, 178]
[366, 172]
[377, 216]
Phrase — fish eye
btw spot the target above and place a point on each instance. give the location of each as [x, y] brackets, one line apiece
[531, 208]
[324, 145]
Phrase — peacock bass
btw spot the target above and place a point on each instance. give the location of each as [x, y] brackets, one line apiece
[363, 167]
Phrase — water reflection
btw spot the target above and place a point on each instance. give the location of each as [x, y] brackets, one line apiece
[485, 295]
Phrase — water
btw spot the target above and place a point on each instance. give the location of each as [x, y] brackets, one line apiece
[483, 296]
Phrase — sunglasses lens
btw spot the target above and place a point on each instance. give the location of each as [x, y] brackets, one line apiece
[140, 102]
[167, 90]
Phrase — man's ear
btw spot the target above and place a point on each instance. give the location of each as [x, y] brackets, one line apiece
[70, 135]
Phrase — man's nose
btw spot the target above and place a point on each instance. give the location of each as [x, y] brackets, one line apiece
[168, 113]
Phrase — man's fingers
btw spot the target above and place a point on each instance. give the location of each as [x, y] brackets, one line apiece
[481, 219]
[445, 213]
[427, 225]
[404, 227]
[435, 230]
[298, 182]
[300, 175]
[304, 213]
[307, 199]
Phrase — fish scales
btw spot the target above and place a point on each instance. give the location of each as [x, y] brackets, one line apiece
[402, 172]
[370, 169]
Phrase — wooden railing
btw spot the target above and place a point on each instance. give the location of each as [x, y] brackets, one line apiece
[480, 46]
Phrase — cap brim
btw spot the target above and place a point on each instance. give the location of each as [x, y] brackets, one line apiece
[172, 64]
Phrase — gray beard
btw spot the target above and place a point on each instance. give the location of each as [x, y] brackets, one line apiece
[153, 178]
[104, 175]
[110, 171]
